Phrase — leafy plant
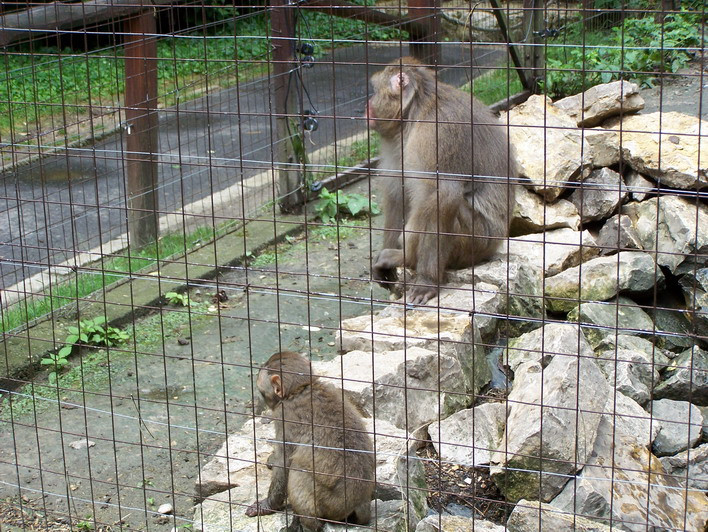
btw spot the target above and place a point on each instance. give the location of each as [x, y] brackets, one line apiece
[91, 332]
[58, 360]
[638, 48]
[175, 298]
[333, 204]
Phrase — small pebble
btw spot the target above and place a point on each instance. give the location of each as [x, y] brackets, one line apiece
[165, 509]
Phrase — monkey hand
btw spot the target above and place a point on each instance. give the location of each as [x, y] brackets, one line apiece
[261, 507]
[384, 270]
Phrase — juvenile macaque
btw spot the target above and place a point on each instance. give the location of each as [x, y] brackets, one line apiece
[446, 165]
[317, 427]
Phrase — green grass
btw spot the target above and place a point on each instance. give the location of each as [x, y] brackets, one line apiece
[494, 85]
[110, 270]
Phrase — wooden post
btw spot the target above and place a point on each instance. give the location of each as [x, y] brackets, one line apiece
[426, 48]
[141, 127]
[284, 89]
[533, 54]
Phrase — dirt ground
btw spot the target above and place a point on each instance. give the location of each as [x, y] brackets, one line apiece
[154, 412]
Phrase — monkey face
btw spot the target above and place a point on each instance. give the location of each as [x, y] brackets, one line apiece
[268, 392]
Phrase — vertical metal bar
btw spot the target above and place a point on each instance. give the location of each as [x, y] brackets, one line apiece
[283, 35]
[427, 47]
[141, 128]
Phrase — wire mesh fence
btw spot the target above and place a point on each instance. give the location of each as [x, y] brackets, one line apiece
[503, 316]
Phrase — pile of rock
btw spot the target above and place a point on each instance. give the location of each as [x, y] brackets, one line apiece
[601, 298]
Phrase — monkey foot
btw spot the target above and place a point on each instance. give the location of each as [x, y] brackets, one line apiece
[420, 295]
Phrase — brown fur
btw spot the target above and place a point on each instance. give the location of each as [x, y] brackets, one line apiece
[443, 144]
[317, 424]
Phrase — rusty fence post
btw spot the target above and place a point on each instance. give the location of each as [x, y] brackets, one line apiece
[141, 126]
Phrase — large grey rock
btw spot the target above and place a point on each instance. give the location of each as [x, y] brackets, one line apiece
[603, 320]
[689, 468]
[631, 419]
[600, 102]
[601, 279]
[599, 195]
[535, 516]
[468, 437]
[673, 329]
[675, 156]
[555, 250]
[625, 482]
[639, 186]
[533, 214]
[541, 345]
[694, 285]
[431, 385]
[550, 150]
[661, 357]
[676, 234]
[411, 475]
[553, 417]
[618, 234]
[456, 523]
[220, 473]
[604, 146]
[519, 284]
[679, 423]
[631, 372]
[397, 327]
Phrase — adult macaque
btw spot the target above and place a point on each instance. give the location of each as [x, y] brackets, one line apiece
[446, 164]
[324, 465]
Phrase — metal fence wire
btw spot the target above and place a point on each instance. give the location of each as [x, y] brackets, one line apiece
[475, 235]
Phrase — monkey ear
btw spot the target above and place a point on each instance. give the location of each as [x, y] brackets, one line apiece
[277, 385]
[399, 81]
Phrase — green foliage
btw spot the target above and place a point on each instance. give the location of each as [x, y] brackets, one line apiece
[639, 48]
[91, 332]
[315, 25]
[38, 82]
[175, 298]
[84, 525]
[332, 205]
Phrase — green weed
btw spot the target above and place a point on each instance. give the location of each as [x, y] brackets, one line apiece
[93, 333]
[332, 205]
[175, 298]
